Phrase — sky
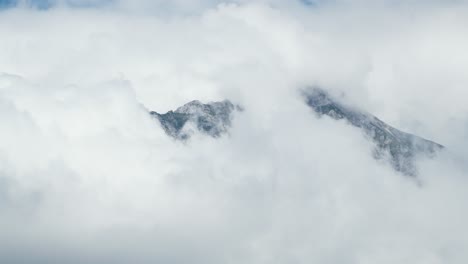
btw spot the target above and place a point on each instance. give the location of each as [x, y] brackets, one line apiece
[88, 176]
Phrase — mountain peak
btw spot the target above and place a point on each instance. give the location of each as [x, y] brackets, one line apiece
[212, 118]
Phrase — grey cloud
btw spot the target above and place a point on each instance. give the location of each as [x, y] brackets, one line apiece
[89, 176]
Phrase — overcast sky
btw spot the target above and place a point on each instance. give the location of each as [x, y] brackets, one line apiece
[87, 176]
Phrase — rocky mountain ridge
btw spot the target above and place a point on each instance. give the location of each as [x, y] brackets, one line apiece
[400, 147]
[214, 119]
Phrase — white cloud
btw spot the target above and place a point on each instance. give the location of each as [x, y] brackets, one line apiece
[86, 175]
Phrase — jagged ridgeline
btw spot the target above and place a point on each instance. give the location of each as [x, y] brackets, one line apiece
[402, 148]
[212, 119]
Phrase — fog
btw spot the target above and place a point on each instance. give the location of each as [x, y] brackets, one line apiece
[88, 176]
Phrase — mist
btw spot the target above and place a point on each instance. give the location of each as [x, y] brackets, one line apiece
[88, 176]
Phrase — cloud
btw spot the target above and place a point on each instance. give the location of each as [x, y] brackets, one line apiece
[87, 176]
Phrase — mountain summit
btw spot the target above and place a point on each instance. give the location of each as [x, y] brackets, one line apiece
[212, 119]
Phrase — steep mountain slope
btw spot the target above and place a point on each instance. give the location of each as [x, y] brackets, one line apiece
[402, 148]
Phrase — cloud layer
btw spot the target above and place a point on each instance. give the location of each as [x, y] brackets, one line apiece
[87, 176]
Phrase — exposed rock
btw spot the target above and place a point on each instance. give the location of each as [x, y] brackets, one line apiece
[213, 119]
[401, 147]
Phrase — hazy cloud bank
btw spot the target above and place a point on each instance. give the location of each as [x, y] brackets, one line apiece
[86, 175]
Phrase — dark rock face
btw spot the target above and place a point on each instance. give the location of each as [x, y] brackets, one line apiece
[213, 119]
[401, 147]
